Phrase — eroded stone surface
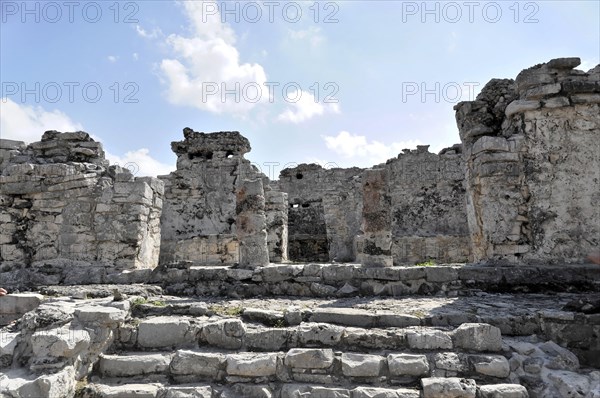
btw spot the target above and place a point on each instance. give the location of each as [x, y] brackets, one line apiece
[80, 210]
[524, 146]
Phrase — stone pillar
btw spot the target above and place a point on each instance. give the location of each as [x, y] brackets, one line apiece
[374, 247]
[277, 225]
[251, 224]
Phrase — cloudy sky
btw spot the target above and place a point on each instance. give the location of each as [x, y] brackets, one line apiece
[349, 83]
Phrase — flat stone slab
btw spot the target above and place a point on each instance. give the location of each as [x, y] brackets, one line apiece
[19, 303]
[134, 364]
[126, 390]
[164, 331]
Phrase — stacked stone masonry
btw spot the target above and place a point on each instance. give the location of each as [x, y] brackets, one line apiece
[521, 189]
[62, 204]
[533, 165]
[124, 350]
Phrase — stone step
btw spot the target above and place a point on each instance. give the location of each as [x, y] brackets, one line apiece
[235, 334]
[323, 280]
[428, 388]
[304, 365]
[350, 280]
[513, 314]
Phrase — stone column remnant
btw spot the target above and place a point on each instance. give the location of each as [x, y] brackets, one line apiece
[277, 225]
[251, 224]
[198, 221]
[374, 247]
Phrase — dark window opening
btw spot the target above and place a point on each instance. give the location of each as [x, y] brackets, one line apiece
[299, 176]
[306, 205]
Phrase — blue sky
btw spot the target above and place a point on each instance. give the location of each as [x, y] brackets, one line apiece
[364, 79]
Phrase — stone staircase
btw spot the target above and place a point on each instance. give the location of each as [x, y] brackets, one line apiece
[264, 353]
[122, 341]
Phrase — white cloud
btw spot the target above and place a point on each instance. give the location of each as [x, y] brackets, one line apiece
[312, 35]
[363, 152]
[27, 123]
[156, 32]
[140, 163]
[112, 58]
[587, 64]
[305, 108]
[452, 42]
[210, 61]
[135, 56]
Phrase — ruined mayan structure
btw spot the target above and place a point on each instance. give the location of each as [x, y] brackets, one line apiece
[453, 275]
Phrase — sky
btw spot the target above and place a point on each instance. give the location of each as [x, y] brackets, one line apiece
[338, 83]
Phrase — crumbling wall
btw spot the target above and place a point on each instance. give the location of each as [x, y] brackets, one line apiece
[427, 215]
[324, 212]
[61, 204]
[533, 169]
[428, 206]
[199, 213]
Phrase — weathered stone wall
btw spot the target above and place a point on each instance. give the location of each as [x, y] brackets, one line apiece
[428, 206]
[427, 209]
[533, 168]
[199, 214]
[324, 212]
[61, 205]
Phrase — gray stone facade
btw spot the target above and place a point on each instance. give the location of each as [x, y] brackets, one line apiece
[61, 204]
[521, 188]
[533, 165]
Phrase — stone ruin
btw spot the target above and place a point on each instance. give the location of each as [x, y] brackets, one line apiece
[458, 274]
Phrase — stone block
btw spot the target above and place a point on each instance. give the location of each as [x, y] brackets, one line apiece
[202, 364]
[361, 365]
[521, 106]
[374, 392]
[429, 339]
[477, 337]
[408, 365]
[133, 365]
[450, 387]
[503, 391]
[252, 365]
[165, 332]
[227, 333]
[491, 365]
[19, 303]
[309, 358]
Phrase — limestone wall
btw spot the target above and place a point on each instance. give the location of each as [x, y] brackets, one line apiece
[428, 206]
[533, 168]
[522, 188]
[426, 218]
[324, 212]
[199, 214]
[61, 204]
